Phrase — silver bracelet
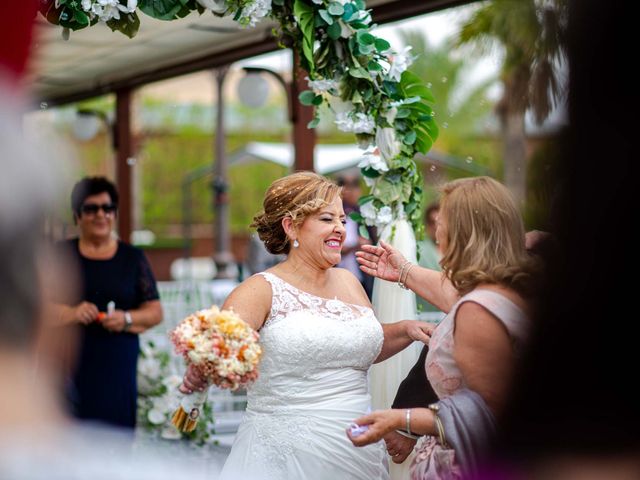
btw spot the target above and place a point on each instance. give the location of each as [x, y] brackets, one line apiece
[408, 417]
[407, 262]
[406, 275]
[408, 435]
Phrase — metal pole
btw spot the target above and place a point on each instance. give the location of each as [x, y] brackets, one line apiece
[225, 263]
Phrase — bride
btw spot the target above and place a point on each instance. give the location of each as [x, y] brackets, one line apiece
[319, 337]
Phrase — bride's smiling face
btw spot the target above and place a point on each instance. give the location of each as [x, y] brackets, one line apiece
[322, 234]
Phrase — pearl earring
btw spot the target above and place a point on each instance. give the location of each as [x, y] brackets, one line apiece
[296, 244]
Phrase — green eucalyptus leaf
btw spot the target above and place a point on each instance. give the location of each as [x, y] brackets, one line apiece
[382, 45]
[307, 97]
[355, 216]
[336, 9]
[420, 91]
[410, 138]
[356, 97]
[317, 100]
[374, 66]
[360, 5]
[334, 31]
[359, 73]
[366, 49]
[326, 16]
[313, 123]
[403, 113]
[82, 18]
[370, 172]
[161, 9]
[349, 12]
[129, 24]
[365, 38]
[279, 3]
[362, 230]
[365, 199]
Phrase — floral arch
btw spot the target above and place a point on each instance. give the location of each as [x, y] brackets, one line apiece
[362, 80]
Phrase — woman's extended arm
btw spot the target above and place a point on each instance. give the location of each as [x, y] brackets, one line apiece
[386, 263]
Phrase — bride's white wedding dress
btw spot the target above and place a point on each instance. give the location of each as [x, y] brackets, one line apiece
[312, 384]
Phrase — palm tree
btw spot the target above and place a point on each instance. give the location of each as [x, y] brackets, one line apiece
[532, 35]
[461, 108]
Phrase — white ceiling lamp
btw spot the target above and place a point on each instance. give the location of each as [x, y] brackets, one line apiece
[253, 90]
[86, 125]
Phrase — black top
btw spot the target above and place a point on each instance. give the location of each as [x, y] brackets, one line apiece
[103, 385]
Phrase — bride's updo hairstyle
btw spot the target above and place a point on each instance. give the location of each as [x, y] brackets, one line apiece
[297, 196]
[485, 236]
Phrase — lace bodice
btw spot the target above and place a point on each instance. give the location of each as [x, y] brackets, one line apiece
[312, 383]
[306, 341]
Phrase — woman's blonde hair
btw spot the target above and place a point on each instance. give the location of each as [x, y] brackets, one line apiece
[297, 196]
[485, 236]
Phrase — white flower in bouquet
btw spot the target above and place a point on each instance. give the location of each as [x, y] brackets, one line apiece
[387, 143]
[156, 417]
[172, 382]
[148, 375]
[398, 63]
[371, 160]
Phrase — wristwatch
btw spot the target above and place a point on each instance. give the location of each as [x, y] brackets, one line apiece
[128, 321]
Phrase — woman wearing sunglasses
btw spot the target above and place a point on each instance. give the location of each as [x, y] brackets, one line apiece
[116, 300]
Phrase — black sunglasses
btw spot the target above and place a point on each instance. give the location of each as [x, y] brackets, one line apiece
[92, 208]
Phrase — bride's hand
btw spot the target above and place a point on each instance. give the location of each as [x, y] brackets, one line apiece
[192, 381]
[419, 331]
[381, 261]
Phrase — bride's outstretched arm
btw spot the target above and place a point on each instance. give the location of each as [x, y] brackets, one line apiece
[399, 335]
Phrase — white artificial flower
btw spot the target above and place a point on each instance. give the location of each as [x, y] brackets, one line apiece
[398, 63]
[318, 2]
[369, 213]
[217, 6]
[346, 30]
[391, 115]
[387, 144]
[385, 216]
[355, 123]
[323, 85]
[369, 160]
[256, 11]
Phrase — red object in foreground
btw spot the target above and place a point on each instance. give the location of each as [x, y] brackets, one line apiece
[16, 31]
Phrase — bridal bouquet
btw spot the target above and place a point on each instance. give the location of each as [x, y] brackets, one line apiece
[225, 351]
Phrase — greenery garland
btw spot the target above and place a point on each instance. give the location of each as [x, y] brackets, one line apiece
[358, 75]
